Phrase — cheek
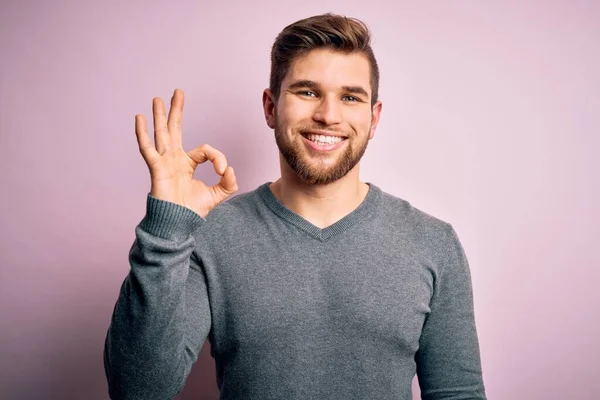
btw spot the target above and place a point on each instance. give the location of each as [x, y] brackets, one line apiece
[297, 110]
[361, 123]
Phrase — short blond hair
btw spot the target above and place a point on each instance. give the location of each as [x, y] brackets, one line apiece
[330, 31]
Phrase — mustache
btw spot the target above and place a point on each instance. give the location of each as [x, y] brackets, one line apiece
[320, 127]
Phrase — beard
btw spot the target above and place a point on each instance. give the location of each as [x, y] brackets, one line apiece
[310, 167]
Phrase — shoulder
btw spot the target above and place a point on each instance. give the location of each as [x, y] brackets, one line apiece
[236, 211]
[231, 221]
[433, 239]
[401, 211]
[430, 233]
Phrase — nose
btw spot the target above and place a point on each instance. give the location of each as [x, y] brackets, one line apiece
[328, 111]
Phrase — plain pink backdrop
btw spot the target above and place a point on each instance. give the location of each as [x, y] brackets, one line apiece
[490, 122]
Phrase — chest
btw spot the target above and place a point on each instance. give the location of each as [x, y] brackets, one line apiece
[267, 294]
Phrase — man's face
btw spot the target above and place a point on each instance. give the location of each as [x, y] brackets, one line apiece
[327, 94]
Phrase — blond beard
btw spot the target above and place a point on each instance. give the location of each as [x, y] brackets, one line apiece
[308, 172]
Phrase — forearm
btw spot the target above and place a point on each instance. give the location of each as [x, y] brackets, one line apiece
[154, 338]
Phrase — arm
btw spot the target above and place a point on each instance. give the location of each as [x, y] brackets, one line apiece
[448, 359]
[162, 316]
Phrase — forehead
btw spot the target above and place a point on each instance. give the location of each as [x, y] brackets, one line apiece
[330, 69]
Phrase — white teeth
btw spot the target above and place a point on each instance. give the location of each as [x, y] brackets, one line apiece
[321, 139]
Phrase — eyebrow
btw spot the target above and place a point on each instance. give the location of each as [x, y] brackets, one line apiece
[303, 83]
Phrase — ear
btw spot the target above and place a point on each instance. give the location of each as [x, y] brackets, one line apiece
[268, 101]
[376, 113]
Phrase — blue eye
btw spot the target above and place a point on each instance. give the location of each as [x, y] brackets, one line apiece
[307, 93]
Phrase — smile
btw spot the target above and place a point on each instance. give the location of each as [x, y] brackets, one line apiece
[323, 139]
[323, 142]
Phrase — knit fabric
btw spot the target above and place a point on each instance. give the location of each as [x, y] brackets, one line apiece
[293, 311]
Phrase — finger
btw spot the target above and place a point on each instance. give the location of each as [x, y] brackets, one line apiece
[227, 185]
[162, 138]
[207, 152]
[145, 144]
[175, 114]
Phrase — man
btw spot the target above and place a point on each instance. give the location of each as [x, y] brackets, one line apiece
[316, 286]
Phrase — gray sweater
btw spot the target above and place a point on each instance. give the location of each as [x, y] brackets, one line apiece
[293, 311]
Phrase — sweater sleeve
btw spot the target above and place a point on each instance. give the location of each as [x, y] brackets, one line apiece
[162, 315]
[448, 358]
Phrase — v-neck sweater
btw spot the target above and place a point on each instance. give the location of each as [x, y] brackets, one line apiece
[293, 311]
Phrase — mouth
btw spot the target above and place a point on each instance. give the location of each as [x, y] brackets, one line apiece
[324, 138]
[319, 142]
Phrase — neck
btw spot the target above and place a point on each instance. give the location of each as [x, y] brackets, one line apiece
[321, 205]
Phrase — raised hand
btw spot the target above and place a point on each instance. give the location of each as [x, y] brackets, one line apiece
[172, 169]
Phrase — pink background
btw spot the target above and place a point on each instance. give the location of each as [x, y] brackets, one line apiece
[490, 122]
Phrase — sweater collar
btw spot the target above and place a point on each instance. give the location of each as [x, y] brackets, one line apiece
[368, 206]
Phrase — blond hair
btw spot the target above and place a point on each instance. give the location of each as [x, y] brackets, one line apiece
[330, 31]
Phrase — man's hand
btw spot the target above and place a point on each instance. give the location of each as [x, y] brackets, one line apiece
[172, 169]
